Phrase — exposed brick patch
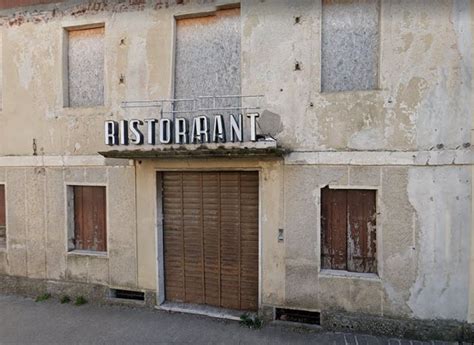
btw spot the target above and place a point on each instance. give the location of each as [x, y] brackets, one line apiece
[61, 8]
[5, 4]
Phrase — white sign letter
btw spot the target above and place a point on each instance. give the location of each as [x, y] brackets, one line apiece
[181, 131]
[137, 134]
[123, 132]
[218, 131]
[200, 131]
[236, 129]
[165, 131]
[253, 125]
[111, 133]
[151, 131]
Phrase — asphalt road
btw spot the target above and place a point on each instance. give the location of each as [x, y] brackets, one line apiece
[24, 321]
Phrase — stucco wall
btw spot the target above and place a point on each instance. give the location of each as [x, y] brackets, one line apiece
[414, 132]
[421, 258]
[423, 98]
[425, 107]
[37, 225]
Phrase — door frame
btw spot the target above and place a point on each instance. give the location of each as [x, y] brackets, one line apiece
[160, 274]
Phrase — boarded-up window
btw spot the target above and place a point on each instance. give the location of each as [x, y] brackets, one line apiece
[207, 61]
[89, 225]
[350, 45]
[208, 55]
[348, 235]
[86, 67]
[3, 219]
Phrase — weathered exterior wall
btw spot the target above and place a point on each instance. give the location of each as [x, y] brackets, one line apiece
[18, 3]
[37, 225]
[423, 108]
[413, 133]
[471, 263]
[418, 253]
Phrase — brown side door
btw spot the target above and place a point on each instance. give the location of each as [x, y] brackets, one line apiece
[211, 238]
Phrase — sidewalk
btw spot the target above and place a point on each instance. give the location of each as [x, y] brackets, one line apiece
[24, 321]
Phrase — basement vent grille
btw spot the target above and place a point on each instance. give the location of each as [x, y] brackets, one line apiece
[127, 294]
[300, 316]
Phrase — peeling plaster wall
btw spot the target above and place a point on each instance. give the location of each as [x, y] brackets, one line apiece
[425, 107]
[421, 112]
[17, 3]
[421, 102]
[422, 258]
[37, 225]
[471, 291]
[442, 241]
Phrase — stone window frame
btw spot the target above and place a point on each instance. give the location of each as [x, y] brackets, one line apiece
[66, 29]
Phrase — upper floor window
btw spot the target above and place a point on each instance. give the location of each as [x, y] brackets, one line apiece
[350, 45]
[85, 67]
[208, 57]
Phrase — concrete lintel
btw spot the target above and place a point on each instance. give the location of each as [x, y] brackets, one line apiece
[417, 158]
[60, 161]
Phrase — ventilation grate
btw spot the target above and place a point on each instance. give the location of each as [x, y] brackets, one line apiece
[127, 294]
[300, 316]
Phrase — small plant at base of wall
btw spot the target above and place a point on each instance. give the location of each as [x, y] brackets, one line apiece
[43, 297]
[65, 299]
[80, 301]
[249, 321]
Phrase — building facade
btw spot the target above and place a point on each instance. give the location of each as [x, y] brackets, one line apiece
[267, 156]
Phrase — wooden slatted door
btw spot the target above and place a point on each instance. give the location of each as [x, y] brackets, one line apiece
[210, 231]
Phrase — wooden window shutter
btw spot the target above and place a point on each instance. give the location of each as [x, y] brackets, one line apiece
[334, 229]
[361, 231]
[348, 232]
[90, 218]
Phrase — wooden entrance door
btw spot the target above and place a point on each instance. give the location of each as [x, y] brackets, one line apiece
[210, 232]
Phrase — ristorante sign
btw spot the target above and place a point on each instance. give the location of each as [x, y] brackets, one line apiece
[197, 130]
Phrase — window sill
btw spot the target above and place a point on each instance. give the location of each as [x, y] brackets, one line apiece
[325, 273]
[85, 107]
[88, 253]
[96, 111]
[349, 92]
